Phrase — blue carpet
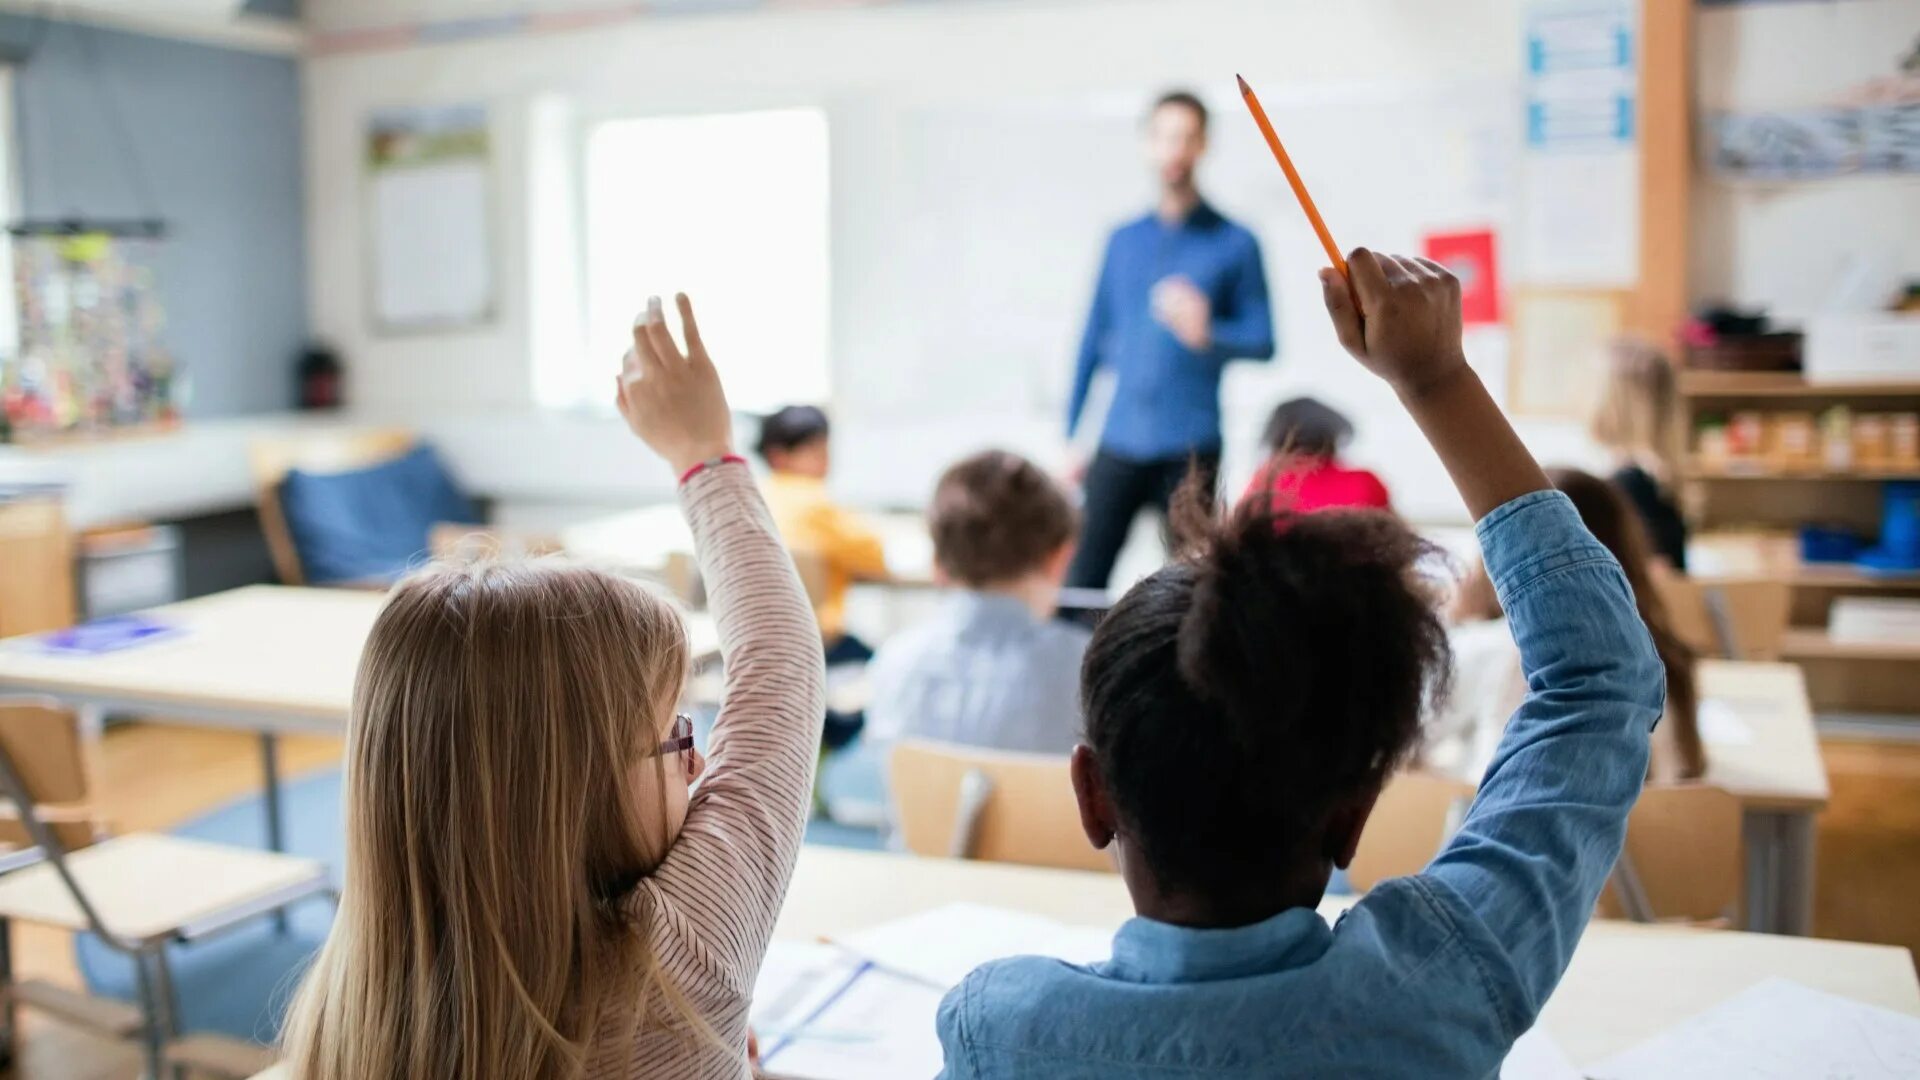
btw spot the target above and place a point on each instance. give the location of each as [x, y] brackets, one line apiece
[238, 982]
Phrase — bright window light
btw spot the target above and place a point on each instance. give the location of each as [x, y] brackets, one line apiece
[731, 209]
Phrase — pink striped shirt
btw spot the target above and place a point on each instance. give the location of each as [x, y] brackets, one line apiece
[710, 905]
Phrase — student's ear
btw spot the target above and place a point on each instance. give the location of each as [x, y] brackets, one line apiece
[1058, 562]
[1090, 791]
[1344, 826]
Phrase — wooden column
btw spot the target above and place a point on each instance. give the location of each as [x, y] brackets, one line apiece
[1665, 124]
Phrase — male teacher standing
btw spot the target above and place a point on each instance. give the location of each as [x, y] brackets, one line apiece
[1181, 292]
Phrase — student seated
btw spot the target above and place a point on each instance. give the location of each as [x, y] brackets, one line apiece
[532, 887]
[1636, 417]
[794, 443]
[1244, 707]
[1302, 471]
[1488, 683]
[993, 668]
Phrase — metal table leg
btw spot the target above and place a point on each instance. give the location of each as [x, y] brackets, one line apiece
[276, 828]
[1780, 868]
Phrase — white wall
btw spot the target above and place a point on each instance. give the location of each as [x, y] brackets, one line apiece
[1782, 245]
[919, 293]
[882, 73]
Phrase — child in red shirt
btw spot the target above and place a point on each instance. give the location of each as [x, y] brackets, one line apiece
[1303, 440]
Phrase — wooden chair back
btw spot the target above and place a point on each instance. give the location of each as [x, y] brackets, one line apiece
[1729, 619]
[1415, 815]
[1685, 859]
[55, 761]
[316, 451]
[1003, 807]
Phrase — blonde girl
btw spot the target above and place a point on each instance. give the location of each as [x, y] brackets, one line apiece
[1637, 420]
[531, 890]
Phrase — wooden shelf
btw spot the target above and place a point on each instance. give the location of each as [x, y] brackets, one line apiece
[1824, 576]
[1813, 643]
[1761, 472]
[1784, 384]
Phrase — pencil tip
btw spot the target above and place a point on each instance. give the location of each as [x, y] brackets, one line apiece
[1244, 88]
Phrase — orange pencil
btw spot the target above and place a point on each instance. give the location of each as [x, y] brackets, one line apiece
[1293, 177]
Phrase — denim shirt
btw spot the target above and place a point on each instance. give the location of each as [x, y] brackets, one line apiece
[1431, 975]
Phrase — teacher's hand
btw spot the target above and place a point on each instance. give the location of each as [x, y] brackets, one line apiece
[1185, 311]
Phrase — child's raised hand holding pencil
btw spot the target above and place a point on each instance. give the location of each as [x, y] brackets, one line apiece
[673, 400]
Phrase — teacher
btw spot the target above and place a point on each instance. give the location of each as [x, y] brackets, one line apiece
[1181, 292]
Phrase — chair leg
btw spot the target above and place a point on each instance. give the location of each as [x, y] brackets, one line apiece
[9, 1009]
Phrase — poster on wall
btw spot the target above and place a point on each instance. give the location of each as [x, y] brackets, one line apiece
[1580, 170]
[1557, 345]
[1470, 255]
[429, 211]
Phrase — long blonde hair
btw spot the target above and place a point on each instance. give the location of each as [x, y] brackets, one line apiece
[1637, 414]
[488, 924]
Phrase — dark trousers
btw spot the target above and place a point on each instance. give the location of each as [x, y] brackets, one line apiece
[1116, 490]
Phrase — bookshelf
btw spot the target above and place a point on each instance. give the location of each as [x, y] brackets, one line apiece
[1841, 676]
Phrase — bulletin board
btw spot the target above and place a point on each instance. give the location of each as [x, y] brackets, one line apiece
[429, 211]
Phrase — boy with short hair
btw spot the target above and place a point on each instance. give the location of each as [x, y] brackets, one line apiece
[993, 668]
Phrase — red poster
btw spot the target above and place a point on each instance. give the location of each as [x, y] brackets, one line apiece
[1470, 256]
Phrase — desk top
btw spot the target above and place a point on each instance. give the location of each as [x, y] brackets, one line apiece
[1769, 754]
[264, 655]
[1627, 982]
[644, 539]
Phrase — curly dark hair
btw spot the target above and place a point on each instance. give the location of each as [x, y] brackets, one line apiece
[996, 517]
[1277, 668]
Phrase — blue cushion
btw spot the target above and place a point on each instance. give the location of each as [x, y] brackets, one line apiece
[372, 523]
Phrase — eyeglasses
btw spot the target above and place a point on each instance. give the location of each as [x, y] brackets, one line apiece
[679, 737]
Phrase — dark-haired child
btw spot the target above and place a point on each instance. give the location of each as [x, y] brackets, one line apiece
[992, 667]
[794, 443]
[1245, 705]
[1303, 471]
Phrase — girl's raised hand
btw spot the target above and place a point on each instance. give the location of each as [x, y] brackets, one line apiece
[673, 400]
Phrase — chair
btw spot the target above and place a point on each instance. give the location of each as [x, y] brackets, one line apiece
[1684, 860]
[364, 485]
[137, 893]
[1416, 814]
[1732, 619]
[993, 805]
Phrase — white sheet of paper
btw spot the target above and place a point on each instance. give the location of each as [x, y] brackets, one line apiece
[939, 947]
[881, 1027]
[1535, 1056]
[1778, 1030]
[1721, 724]
[795, 979]
[432, 263]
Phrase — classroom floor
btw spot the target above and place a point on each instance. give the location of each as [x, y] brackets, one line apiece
[152, 777]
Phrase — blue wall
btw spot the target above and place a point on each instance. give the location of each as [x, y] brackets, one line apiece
[217, 133]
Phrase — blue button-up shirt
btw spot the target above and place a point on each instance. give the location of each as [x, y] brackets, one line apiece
[983, 671]
[1431, 975]
[1166, 399]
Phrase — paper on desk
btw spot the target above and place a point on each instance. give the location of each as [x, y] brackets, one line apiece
[1778, 1029]
[1535, 1056]
[939, 947]
[1722, 725]
[823, 1014]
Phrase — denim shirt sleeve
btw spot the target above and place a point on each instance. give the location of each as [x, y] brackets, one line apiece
[1548, 823]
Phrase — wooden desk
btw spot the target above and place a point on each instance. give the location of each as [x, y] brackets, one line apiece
[1627, 982]
[266, 658]
[1771, 760]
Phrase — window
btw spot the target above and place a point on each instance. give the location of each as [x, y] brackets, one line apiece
[731, 209]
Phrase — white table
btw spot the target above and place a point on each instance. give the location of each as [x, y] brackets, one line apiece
[644, 540]
[265, 658]
[1627, 982]
[1771, 761]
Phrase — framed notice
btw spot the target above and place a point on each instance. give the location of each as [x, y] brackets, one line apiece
[1556, 348]
[429, 210]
